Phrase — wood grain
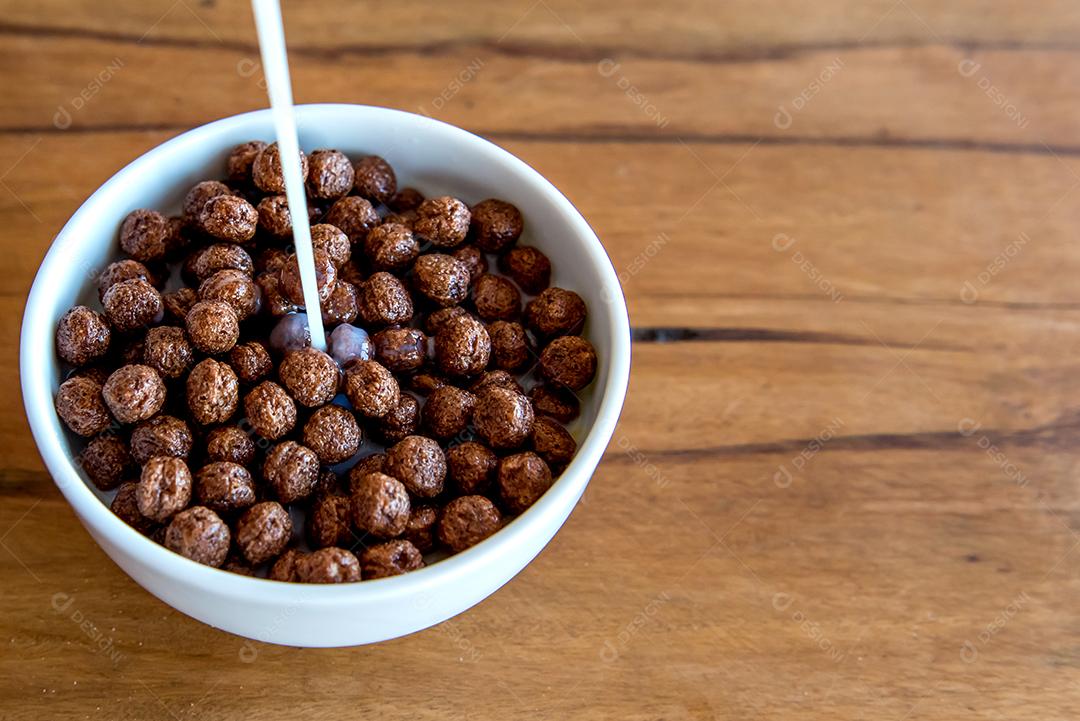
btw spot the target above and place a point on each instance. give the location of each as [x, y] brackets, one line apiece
[844, 484]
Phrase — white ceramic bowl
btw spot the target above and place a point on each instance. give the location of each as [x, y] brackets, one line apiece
[436, 158]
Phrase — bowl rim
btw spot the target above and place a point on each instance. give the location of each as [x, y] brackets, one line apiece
[37, 333]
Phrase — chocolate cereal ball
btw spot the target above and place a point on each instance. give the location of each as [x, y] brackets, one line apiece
[471, 467]
[82, 336]
[448, 411]
[442, 221]
[230, 444]
[343, 305]
[495, 225]
[474, 260]
[161, 436]
[212, 326]
[438, 318]
[503, 418]
[330, 174]
[333, 434]
[380, 505]
[462, 347]
[405, 199]
[495, 379]
[333, 242]
[552, 442]
[213, 392]
[375, 463]
[325, 277]
[122, 270]
[263, 532]
[329, 521]
[126, 507]
[166, 350]
[400, 349]
[509, 345]
[466, 521]
[220, 256]
[555, 312]
[274, 301]
[442, 279]
[132, 304]
[528, 267]
[425, 383]
[568, 361]
[225, 487]
[354, 216]
[556, 402]
[291, 470]
[284, 568]
[199, 534]
[238, 164]
[496, 298]
[374, 179]
[145, 235]
[419, 463]
[179, 302]
[266, 169]
[274, 216]
[235, 288]
[310, 376]
[270, 410]
[402, 420]
[384, 300]
[106, 461]
[522, 479]
[229, 218]
[134, 393]
[164, 488]
[251, 361]
[81, 407]
[392, 558]
[328, 565]
[371, 388]
[391, 246]
[420, 530]
[199, 195]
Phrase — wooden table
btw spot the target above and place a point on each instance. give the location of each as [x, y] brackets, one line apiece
[845, 481]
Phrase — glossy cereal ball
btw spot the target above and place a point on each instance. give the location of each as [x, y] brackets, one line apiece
[266, 169]
[164, 488]
[471, 467]
[343, 305]
[392, 558]
[419, 463]
[145, 235]
[270, 411]
[380, 505]
[555, 312]
[333, 242]
[310, 376]
[474, 260]
[121, 270]
[420, 530]
[374, 179]
[509, 345]
[556, 402]
[81, 407]
[333, 434]
[238, 164]
[371, 388]
[199, 534]
[522, 478]
[166, 349]
[213, 392]
[133, 304]
[400, 349]
[462, 347]
[178, 302]
[496, 225]
[329, 522]
[384, 300]
[225, 487]
[325, 277]
[162, 435]
[230, 444]
[448, 411]
[263, 531]
[568, 361]
[220, 256]
[528, 267]
[251, 361]
[466, 521]
[328, 565]
[552, 442]
[354, 216]
[274, 216]
[82, 336]
[402, 420]
[134, 393]
[442, 279]
[212, 326]
[292, 470]
[391, 247]
[496, 298]
[235, 288]
[199, 195]
[330, 175]
[442, 221]
[503, 418]
[106, 461]
[126, 507]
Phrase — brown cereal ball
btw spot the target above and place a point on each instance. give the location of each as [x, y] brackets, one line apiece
[274, 216]
[284, 568]
[270, 410]
[405, 199]
[274, 301]
[371, 388]
[329, 521]
[161, 436]
[235, 563]
[199, 534]
[442, 221]
[166, 350]
[496, 379]
[448, 411]
[420, 530]
[552, 442]
[263, 532]
[221, 256]
[235, 288]
[438, 318]
[82, 336]
[354, 216]
[251, 361]
[503, 418]
[555, 312]
[419, 463]
[471, 467]
[391, 246]
[474, 260]
[333, 242]
[426, 383]
[528, 267]
[310, 376]
[496, 298]
[330, 176]
[333, 433]
[442, 279]
[126, 507]
[522, 478]
[179, 302]
[327, 484]
[400, 349]
[197, 198]
[392, 558]
[495, 225]
[266, 169]
[325, 277]
[408, 218]
[466, 521]
[568, 361]
[164, 488]
[343, 305]
[462, 347]
[225, 487]
[229, 218]
[509, 345]
[292, 470]
[238, 164]
[213, 392]
[133, 304]
[380, 505]
[384, 300]
[134, 393]
[229, 444]
[328, 565]
[351, 273]
[555, 402]
[81, 407]
[145, 235]
[212, 326]
[375, 179]
[106, 461]
[375, 463]
[122, 270]
[402, 420]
